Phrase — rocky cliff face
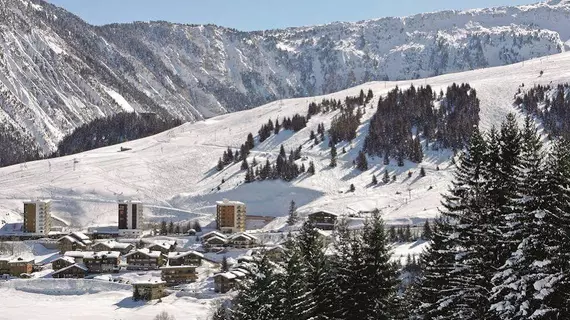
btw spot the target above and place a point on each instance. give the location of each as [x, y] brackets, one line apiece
[58, 72]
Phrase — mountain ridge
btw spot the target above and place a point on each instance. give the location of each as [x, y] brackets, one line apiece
[58, 72]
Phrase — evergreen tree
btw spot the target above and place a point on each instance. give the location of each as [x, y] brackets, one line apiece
[352, 188]
[221, 312]
[250, 144]
[224, 267]
[277, 126]
[422, 172]
[163, 227]
[170, 227]
[361, 161]
[374, 180]
[220, 165]
[333, 156]
[426, 232]
[311, 169]
[244, 165]
[386, 177]
[293, 215]
[177, 229]
[293, 288]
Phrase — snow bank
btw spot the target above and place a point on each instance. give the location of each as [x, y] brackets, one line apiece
[64, 286]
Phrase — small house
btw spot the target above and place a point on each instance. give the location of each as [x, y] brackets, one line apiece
[226, 281]
[215, 243]
[62, 262]
[175, 275]
[242, 240]
[75, 241]
[163, 247]
[74, 271]
[324, 220]
[144, 259]
[21, 266]
[211, 234]
[100, 262]
[148, 290]
[111, 245]
[190, 258]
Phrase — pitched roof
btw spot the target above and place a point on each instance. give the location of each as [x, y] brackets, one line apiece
[146, 252]
[224, 240]
[111, 244]
[21, 260]
[228, 275]
[80, 236]
[150, 281]
[163, 245]
[75, 265]
[324, 211]
[92, 255]
[213, 233]
[178, 267]
[178, 255]
[65, 258]
[243, 235]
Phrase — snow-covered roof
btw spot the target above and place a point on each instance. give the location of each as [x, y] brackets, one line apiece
[163, 245]
[102, 254]
[21, 260]
[224, 240]
[111, 244]
[146, 252]
[214, 233]
[177, 255]
[242, 235]
[75, 265]
[68, 259]
[227, 275]
[227, 202]
[93, 255]
[178, 267]
[238, 273]
[324, 211]
[149, 281]
[80, 236]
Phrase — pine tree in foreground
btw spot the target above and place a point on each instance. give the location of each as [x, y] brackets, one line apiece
[293, 215]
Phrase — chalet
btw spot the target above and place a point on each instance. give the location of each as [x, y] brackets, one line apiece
[242, 240]
[111, 245]
[215, 243]
[324, 220]
[148, 290]
[21, 266]
[144, 259]
[175, 275]
[163, 247]
[226, 281]
[211, 234]
[74, 271]
[189, 258]
[4, 267]
[98, 262]
[275, 253]
[75, 241]
[76, 255]
[62, 262]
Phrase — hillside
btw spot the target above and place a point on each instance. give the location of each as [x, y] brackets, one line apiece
[58, 72]
[174, 172]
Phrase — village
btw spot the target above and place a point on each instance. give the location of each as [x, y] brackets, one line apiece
[154, 265]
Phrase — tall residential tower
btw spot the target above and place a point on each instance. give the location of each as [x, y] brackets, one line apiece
[37, 216]
[130, 215]
[230, 216]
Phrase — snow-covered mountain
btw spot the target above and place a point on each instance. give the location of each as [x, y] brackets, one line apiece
[174, 173]
[58, 72]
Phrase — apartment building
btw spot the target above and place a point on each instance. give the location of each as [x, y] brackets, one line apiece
[130, 214]
[37, 216]
[230, 216]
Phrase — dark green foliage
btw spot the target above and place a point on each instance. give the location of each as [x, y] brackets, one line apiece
[426, 232]
[163, 228]
[386, 177]
[293, 215]
[361, 161]
[448, 126]
[311, 169]
[374, 180]
[225, 267]
[352, 188]
[422, 172]
[16, 147]
[114, 129]
[333, 156]
[244, 165]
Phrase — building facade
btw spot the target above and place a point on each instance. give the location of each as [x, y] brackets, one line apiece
[99, 262]
[230, 216]
[188, 258]
[148, 290]
[20, 265]
[37, 216]
[324, 220]
[74, 271]
[130, 216]
[143, 259]
[175, 275]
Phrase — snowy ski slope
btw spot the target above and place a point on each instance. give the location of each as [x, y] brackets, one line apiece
[173, 172]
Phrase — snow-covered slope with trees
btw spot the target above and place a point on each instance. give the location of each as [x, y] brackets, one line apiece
[57, 72]
[174, 172]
